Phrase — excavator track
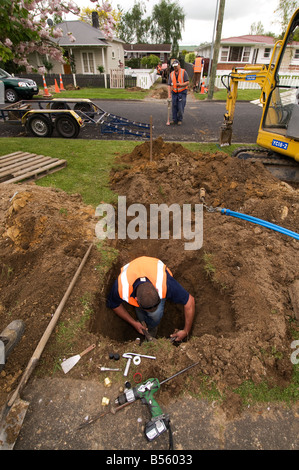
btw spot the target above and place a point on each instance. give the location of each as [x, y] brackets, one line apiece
[283, 168]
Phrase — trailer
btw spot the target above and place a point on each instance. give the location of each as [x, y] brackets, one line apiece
[67, 117]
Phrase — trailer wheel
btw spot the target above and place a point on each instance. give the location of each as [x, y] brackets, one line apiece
[67, 126]
[39, 125]
[57, 105]
[85, 108]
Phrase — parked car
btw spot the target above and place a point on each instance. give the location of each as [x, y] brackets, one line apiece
[17, 88]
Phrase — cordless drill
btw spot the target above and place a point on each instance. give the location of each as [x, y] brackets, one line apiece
[159, 422]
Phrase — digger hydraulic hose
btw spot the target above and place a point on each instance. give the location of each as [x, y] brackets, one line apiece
[264, 223]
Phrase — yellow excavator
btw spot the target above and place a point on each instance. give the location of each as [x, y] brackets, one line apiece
[278, 134]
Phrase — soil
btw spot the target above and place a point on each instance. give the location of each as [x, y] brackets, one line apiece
[241, 278]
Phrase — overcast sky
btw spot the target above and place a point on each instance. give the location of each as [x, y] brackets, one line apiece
[200, 15]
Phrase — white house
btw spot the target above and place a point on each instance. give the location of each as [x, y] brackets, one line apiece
[251, 49]
[89, 50]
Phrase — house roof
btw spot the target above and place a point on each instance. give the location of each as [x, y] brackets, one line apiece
[148, 47]
[84, 33]
[250, 39]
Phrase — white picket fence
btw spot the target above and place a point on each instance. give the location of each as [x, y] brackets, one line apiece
[145, 78]
[285, 79]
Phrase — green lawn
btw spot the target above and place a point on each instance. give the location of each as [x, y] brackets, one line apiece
[88, 162]
[103, 94]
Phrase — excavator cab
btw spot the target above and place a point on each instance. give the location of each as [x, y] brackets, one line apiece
[281, 113]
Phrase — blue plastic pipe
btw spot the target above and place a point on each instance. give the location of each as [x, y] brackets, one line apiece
[264, 223]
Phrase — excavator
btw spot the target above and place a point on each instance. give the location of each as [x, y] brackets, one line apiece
[278, 133]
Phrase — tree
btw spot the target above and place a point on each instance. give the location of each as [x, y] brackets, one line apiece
[285, 10]
[257, 28]
[168, 20]
[133, 27]
[150, 61]
[26, 27]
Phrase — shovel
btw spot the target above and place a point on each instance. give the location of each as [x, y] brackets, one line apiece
[14, 411]
[69, 363]
[168, 113]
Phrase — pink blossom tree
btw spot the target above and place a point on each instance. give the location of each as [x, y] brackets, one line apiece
[24, 28]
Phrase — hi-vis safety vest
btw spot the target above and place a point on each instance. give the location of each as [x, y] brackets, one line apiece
[177, 84]
[152, 268]
[197, 65]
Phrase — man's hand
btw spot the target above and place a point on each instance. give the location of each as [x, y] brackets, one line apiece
[140, 328]
[179, 335]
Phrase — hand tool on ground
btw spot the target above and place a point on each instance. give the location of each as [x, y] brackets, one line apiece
[148, 337]
[159, 422]
[129, 356]
[14, 411]
[69, 363]
[107, 368]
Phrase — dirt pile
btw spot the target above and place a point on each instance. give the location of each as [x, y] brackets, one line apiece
[43, 237]
[241, 277]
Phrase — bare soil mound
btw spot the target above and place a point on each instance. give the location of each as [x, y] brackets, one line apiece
[241, 277]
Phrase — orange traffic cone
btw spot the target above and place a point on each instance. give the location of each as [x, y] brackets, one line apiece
[56, 87]
[202, 89]
[61, 83]
[46, 92]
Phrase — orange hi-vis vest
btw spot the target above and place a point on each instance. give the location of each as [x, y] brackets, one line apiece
[151, 268]
[197, 65]
[177, 84]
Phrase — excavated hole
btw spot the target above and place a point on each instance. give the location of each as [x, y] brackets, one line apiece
[214, 313]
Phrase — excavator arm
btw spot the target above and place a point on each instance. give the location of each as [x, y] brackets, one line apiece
[248, 73]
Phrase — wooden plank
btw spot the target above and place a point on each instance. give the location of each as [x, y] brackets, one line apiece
[20, 162]
[25, 166]
[12, 156]
[12, 169]
[39, 173]
[30, 168]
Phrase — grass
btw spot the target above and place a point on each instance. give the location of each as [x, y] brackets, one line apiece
[89, 163]
[104, 94]
[243, 95]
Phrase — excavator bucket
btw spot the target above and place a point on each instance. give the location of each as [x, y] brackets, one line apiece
[226, 132]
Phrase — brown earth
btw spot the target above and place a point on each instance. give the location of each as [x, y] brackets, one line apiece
[240, 278]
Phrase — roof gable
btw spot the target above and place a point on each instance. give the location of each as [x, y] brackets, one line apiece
[85, 34]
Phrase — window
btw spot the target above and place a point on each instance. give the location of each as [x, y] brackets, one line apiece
[235, 54]
[224, 54]
[296, 56]
[113, 55]
[88, 62]
[246, 54]
[267, 52]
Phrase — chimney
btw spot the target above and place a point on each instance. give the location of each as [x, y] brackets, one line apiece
[95, 19]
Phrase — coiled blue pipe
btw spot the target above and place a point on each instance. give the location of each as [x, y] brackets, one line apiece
[264, 223]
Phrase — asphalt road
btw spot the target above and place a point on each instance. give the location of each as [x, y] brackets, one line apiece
[202, 121]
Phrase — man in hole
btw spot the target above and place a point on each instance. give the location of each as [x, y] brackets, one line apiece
[146, 283]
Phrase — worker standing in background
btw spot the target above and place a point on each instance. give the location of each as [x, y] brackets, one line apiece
[197, 68]
[178, 83]
[146, 283]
